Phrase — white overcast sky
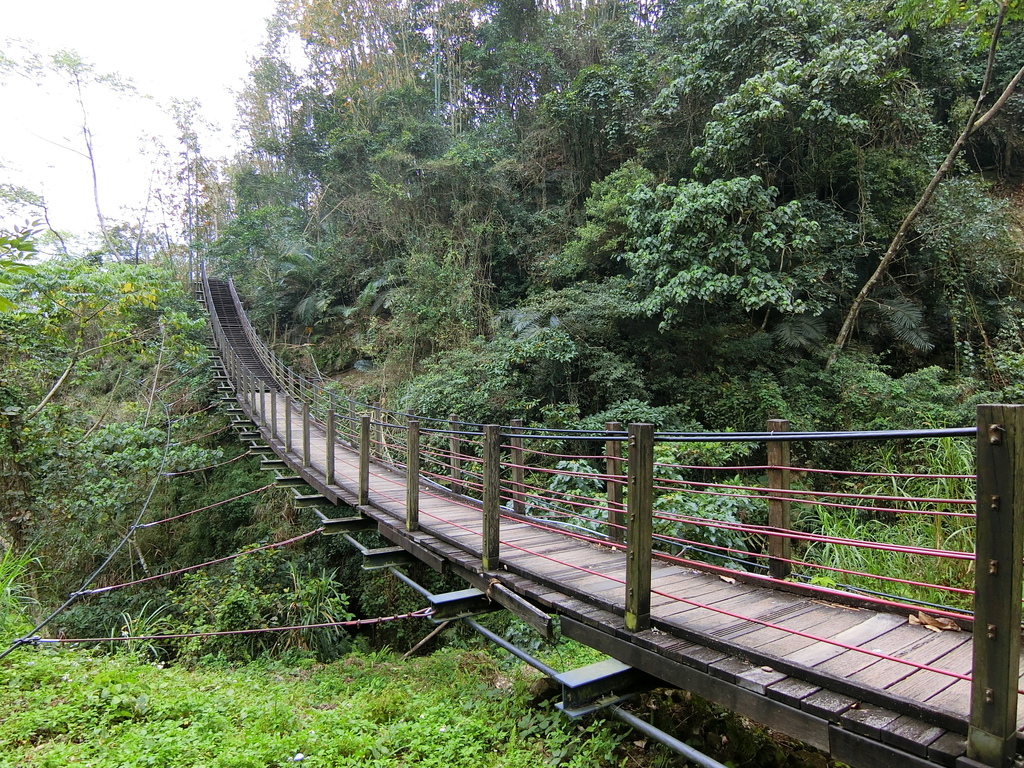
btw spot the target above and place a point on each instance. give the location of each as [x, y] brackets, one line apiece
[182, 49]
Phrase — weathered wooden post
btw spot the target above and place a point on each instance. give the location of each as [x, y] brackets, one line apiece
[455, 453]
[332, 430]
[288, 422]
[351, 421]
[639, 527]
[306, 460]
[492, 496]
[992, 735]
[273, 414]
[412, 475]
[378, 430]
[364, 459]
[613, 488]
[518, 469]
[779, 545]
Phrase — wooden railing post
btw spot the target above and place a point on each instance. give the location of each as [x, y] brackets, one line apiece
[492, 496]
[351, 422]
[364, 459]
[992, 735]
[273, 414]
[518, 470]
[613, 488]
[779, 545]
[639, 527]
[378, 430]
[306, 460]
[263, 403]
[288, 422]
[332, 429]
[455, 454]
[412, 475]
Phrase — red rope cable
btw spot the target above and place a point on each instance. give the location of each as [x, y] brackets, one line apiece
[562, 513]
[420, 614]
[830, 504]
[765, 556]
[203, 509]
[100, 590]
[211, 466]
[909, 475]
[790, 534]
[789, 492]
[208, 434]
[825, 591]
[724, 468]
[535, 452]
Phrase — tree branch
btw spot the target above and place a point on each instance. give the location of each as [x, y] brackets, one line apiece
[974, 122]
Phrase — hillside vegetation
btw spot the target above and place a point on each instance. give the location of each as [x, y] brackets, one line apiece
[699, 214]
[677, 212]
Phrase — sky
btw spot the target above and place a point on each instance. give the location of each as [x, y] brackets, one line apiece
[186, 49]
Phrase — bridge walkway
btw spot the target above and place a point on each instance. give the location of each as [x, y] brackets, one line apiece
[862, 684]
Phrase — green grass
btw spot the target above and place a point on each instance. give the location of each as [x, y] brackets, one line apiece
[65, 707]
[946, 456]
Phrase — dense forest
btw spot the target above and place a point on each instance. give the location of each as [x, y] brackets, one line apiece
[702, 215]
[678, 212]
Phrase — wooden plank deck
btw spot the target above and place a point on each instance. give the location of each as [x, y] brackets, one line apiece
[798, 651]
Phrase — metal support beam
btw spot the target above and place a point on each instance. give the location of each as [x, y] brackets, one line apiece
[383, 557]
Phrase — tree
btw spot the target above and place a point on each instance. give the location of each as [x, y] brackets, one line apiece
[15, 246]
[724, 241]
[973, 13]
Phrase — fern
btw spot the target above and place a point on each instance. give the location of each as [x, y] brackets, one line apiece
[801, 332]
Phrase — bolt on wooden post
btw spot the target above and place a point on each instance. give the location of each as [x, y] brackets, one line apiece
[780, 547]
[412, 475]
[492, 497]
[992, 734]
[639, 526]
[613, 487]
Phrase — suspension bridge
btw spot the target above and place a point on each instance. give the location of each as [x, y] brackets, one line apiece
[876, 670]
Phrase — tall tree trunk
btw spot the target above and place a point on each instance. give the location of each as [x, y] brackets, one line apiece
[974, 122]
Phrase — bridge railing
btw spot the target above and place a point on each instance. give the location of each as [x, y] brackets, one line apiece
[739, 504]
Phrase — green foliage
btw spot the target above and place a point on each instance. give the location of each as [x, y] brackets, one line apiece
[65, 707]
[539, 212]
[915, 527]
[15, 245]
[262, 589]
[977, 16]
[727, 240]
[14, 594]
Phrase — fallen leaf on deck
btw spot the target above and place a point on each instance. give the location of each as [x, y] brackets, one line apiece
[935, 623]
